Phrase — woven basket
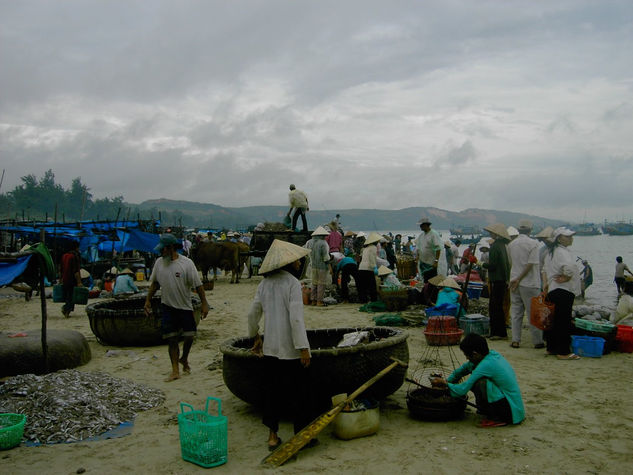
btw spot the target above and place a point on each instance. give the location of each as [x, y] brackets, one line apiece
[332, 370]
[395, 299]
[407, 267]
[122, 322]
[426, 404]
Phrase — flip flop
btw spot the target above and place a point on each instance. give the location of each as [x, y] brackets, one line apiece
[489, 423]
[570, 356]
[514, 344]
[272, 448]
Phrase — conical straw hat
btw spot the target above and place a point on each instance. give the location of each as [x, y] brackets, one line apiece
[320, 231]
[372, 238]
[114, 271]
[498, 229]
[83, 273]
[384, 270]
[280, 254]
[545, 233]
[450, 282]
[437, 280]
[127, 270]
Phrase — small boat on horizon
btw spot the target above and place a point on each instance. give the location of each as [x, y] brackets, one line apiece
[619, 228]
[586, 229]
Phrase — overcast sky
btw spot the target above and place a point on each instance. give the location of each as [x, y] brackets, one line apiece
[517, 105]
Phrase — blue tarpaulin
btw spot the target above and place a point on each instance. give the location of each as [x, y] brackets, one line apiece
[11, 270]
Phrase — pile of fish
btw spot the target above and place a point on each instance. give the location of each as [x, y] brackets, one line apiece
[70, 405]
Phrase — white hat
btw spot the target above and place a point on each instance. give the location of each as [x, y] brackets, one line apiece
[484, 243]
[361, 234]
[450, 282]
[525, 224]
[320, 231]
[83, 273]
[498, 229]
[562, 231]
[384, 270]
[114, 271]
[372, 238]
[425, 220]
[280, 254]
[512, 231]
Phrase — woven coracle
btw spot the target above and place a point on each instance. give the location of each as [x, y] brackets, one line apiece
[122, 322]
[332, 370]
[395, 298]
[407, 267]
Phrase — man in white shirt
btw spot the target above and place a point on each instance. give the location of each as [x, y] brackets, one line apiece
[525, 282]
[428, 247]
[299, 201]
[175, 275]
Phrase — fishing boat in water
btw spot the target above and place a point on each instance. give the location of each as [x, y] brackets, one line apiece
[619, 228]
[586, 229]
[466, 234]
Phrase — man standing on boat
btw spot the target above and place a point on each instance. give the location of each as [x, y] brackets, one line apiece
[428, 248]
[299, 202]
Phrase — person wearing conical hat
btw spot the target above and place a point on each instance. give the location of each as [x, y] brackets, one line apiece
[388, 278]
[428, 247]
[86, 279]
[450, 293]
[285, 349]
[499, 276]
[320, 260]
[124, 283]
[367, 268]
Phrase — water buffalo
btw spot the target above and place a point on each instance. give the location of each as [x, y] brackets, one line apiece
[213, 255]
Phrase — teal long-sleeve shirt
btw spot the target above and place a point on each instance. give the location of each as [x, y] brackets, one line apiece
[501, 382]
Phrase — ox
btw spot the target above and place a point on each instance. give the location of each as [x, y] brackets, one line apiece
[213, 255]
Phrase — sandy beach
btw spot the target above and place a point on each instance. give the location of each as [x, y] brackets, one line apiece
[579, 413]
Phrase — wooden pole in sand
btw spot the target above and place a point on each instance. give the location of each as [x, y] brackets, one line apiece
[42, 266]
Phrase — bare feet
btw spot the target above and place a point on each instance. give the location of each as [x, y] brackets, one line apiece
[185, 366]
[172, 377]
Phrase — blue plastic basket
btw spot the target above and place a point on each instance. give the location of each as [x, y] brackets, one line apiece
[591, 346]
[203, 437]
[474, 290]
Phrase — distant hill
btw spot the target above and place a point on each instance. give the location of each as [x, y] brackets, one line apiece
[214, 216]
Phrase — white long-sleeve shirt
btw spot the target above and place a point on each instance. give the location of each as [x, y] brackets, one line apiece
[279, 297]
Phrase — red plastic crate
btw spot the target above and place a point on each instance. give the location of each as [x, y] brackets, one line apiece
[624, 339]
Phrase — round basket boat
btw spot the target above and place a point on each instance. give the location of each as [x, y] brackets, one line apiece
[431, 405]
[122, 322]
[332, 370]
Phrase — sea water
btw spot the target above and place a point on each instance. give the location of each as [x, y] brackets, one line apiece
[600, 251]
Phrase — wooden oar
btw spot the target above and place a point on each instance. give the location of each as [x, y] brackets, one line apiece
[309, 432]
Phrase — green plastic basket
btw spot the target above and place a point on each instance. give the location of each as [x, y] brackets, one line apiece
[593, 325]
[203, 437]
[11, 430]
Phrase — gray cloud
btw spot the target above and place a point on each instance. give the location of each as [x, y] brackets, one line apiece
[459, 104]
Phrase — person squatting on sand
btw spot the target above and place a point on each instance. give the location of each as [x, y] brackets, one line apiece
[175, 275]
[562, 284]
[525, 282]
[492, 380]
[285, 349]
[428, 247]
[498, 275]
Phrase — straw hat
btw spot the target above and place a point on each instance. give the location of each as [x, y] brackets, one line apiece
[349, 233]
[114, 271]
[280, 254]
[384, 270]
[545, 233]
[84, 274]
[498, 229]
[450, 282]
[437, 280]
[127, 270]
[320, 231]
[373, 238]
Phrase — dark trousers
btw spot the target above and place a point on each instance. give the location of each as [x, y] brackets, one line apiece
[68, 289]
[498, 410]
[366, 283]
[347, 272]
[558, 338]
[295, 217]
[425, 272]
[286, 391]
[498, 290]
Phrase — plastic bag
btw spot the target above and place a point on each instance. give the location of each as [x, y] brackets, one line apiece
[541, 312]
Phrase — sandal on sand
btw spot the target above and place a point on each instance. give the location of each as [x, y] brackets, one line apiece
[570, 356]
[514, 344]
[489, 423]
[272, 448]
